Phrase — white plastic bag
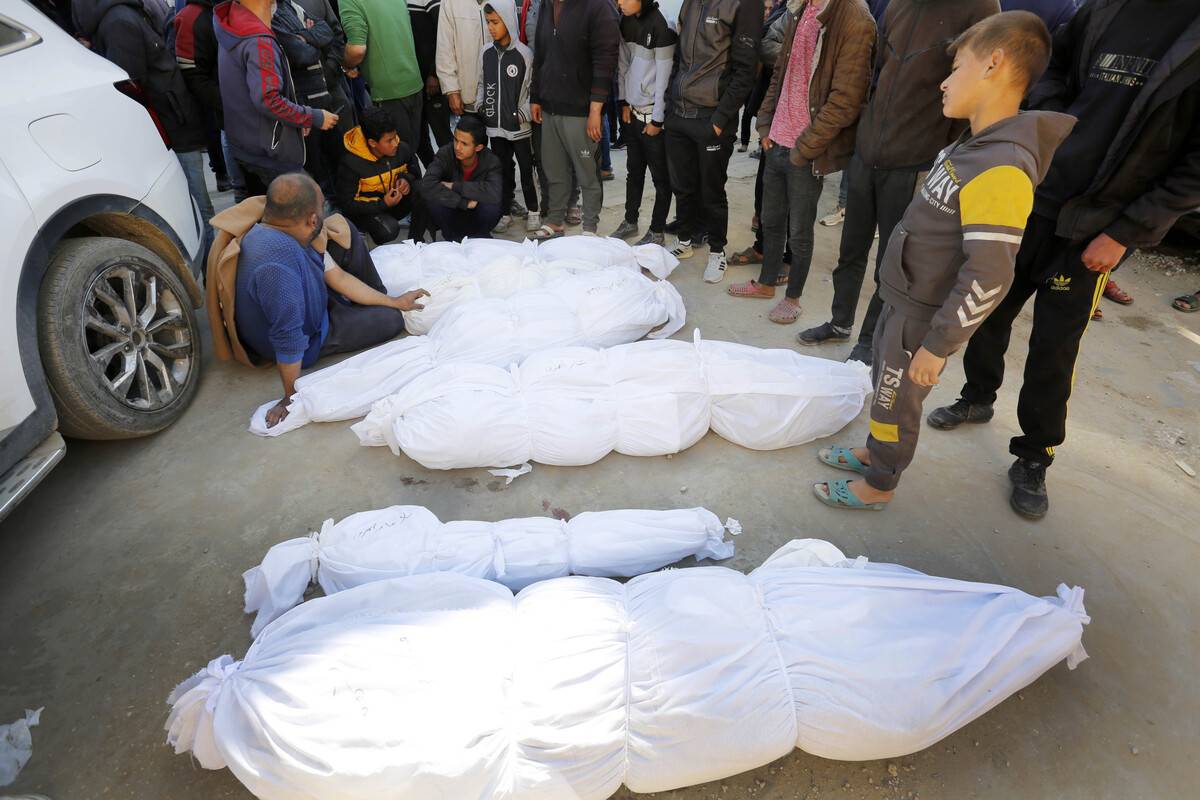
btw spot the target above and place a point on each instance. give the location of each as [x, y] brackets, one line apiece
[572, 406]
[16, 745]
[409, 540]
[444, 685]
[596, 308]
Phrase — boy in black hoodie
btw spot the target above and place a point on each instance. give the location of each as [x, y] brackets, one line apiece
[949, 261]
[376, 180]
[463, 185]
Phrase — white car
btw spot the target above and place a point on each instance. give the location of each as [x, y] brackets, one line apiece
[101, 250]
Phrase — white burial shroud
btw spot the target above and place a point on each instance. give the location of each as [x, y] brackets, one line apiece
[445, 685]
[410, 540]
[596, 308]
[572, 406]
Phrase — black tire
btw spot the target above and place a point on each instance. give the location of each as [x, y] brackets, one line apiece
[90, 334]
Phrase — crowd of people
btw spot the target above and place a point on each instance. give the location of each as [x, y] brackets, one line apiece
[993, 150]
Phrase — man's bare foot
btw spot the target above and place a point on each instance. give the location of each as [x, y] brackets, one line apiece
[862, 454]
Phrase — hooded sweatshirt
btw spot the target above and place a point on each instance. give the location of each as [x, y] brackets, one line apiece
[263, 121]
[363, 179]
[196, 54]
[951, 258]
[122, 32]
[502, 98]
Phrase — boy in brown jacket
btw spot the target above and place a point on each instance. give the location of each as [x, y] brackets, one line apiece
[807, 122]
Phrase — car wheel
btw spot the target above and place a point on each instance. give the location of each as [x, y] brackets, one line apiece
[119, 339]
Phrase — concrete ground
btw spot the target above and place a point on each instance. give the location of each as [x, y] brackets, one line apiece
[120, 575]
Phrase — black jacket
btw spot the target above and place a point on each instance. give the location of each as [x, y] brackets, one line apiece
[484, 186]
[363, 179]
[1150, 175]
[121, 31]
[305, 49]
[196, 53]
[574, 61]
[716, 59]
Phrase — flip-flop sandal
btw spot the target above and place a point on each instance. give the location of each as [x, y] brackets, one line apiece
[838, 495]
[750, 288]
[745, 257]
[546, 232]
[784, 313]
[1187, 303]
[841, 458]
[1117, 294]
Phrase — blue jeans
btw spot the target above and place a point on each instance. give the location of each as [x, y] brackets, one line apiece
[790, 195]
[193, 170]
[233, 170]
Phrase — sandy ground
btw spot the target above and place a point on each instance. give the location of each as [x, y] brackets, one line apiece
[120, 575]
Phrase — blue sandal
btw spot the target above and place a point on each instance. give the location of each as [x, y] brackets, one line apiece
[840, 496]
[841, 458]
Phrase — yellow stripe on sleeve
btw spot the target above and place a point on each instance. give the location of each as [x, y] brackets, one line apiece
[1000, 196]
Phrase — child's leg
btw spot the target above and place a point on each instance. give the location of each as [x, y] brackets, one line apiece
[523, 149]
[503, 149]
[896, 407]
[635, 169]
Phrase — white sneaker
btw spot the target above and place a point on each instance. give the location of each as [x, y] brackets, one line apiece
[503, 224]
[715, 271]
[835, 218]
[682, 249]
[533, 222]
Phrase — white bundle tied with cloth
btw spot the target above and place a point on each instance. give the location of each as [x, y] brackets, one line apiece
[572, 406]
[444, 685]
[599, 308]
[409, 540]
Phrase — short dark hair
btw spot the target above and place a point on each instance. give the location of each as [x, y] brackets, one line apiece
[488, 9]
[377, 123]
[1020, 34]
[472, 124]
[290, 198]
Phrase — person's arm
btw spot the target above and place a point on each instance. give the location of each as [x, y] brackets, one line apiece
[624, 59]
[664, 59]
[604, 41]
[358, 292]
[1146, 220]
[354, 204]
[320, 35]
[772, 40]
[535, 97]
[201, 78]
[766, 109]
[993, 209]
[434, 190]
[337, 48]
[447, 56]
[488, 190]
[847, 94]
[290, 35]
[288, 373]
[354, 24]
[523, 111]
[480, 90]
[263, 80]
[743, 58]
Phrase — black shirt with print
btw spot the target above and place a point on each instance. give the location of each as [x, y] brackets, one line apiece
[1124, 56]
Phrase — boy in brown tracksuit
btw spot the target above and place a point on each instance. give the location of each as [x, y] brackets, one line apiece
[950, 260]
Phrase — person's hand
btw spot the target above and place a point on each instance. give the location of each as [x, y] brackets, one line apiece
[925, 368]
[404, 187]
[535, 112]
[432, 86]
[456, 103]
[472, 203]
[651, 129]
[1103, 253]
[305, 131]
[767, 144]
[308, 23]
[717, 131]
[626, 114]
[277, 413]
[350, 73]
[329, 119]
[595, 128]
[408, 300]
[392, 197]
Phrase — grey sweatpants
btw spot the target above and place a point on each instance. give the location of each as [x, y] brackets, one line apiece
[896, 407]
[566, 146]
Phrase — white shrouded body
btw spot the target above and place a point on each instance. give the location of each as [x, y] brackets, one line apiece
[572, 406]
[410, 540]
[443, 685]
[596, 308]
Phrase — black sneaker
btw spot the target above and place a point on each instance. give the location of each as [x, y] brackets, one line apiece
[822, 334]
[1028, 496]
[860, 353]
[947, 418]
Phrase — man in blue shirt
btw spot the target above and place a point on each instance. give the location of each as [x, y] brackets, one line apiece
[285, 312]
